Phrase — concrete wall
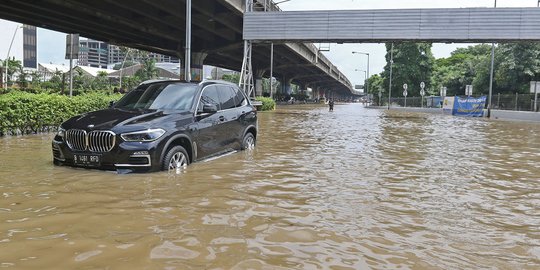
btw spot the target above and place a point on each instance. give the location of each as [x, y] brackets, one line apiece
[513, 115]
[495, 114]
[419, 110]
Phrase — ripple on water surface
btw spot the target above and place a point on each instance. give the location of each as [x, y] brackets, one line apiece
[351, 189]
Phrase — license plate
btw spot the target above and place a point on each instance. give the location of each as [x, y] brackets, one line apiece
[87, 160]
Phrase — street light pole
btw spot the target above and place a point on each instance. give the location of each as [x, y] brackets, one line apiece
[391, 67]
[6, 64]
[367, 76]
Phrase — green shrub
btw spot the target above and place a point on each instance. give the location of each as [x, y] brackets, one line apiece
[268, 104]
[24, 113]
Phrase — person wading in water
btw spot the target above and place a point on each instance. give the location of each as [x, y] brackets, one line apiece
[331, 105]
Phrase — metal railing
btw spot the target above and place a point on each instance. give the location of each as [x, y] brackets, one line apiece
[509, 102]
[265, 5]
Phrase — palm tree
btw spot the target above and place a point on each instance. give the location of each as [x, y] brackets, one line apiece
[148, 70]
[13, 67]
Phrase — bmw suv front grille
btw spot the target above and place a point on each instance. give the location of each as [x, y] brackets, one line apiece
[95, 141]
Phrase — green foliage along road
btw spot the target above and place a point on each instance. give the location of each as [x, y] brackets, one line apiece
[516, 64]
[25, 113]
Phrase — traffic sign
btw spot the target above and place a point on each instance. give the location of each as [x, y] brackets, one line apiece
[405, 86]
[422, 92]
[469, 90]
[443, 91]
[405, 93]
[422, 85]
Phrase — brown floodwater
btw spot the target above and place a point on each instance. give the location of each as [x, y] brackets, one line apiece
[352, 189]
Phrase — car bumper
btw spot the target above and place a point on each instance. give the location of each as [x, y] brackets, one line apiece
[134, 156]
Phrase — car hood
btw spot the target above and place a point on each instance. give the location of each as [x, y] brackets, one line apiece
[111, 118]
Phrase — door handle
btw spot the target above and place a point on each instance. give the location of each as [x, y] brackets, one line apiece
[222, 118]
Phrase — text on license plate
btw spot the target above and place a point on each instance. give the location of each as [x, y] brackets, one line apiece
[87, 160]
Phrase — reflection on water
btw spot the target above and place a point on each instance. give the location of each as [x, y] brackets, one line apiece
[352, 189]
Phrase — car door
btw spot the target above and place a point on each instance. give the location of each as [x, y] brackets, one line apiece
[230, 117]
[209, 141]
[241, 110]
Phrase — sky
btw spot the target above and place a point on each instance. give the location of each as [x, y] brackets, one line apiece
[52, 44]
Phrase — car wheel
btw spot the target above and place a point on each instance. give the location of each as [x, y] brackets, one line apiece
[175, 160]
[248, 143]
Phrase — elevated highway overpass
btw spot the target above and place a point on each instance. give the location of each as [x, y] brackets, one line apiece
[413, 25]
[220, 27]
[159, 26]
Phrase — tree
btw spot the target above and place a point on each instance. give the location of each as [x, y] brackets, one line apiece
[234, 78]
[101, 81]
[148, 70]
[22, 76]
[465, 66]
[376, 84]
[14, 66]
[413, 63]
[518, 64]
[35, 78]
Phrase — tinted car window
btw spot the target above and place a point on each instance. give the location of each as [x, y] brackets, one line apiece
[209, 95]
[160, 97]
[227, 97]
[240, 99]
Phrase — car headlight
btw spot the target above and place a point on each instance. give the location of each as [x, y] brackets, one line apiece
[149, 135]
[61, 132]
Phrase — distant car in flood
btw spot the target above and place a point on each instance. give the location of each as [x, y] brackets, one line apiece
[163, 125]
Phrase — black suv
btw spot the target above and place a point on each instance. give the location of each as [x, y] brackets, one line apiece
[163, 125]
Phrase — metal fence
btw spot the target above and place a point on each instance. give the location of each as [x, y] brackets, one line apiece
[516, 102]
[509, 102]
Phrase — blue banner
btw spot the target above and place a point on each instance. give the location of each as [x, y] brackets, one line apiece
[469, 106]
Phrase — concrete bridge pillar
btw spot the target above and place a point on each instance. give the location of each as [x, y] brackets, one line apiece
[303, 88]
[259, 82]
[197, 62]
[320, 93]
[286, 88]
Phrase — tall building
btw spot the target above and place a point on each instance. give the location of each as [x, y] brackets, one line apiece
[99, 54]
[116, 55]
[93, 53]
[20, 41]
[30, 46]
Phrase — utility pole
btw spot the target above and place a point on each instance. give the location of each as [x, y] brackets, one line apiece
[491, 74]
[272, 70]
[271, 59]
[71, 65]
[391, 67]
[187, 56]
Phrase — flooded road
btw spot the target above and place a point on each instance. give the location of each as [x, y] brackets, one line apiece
[352, 189]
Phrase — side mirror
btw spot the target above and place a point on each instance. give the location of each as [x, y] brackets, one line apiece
[111, 104]
[210, 108]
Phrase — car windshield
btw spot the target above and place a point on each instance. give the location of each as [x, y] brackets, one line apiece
[160, 96]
